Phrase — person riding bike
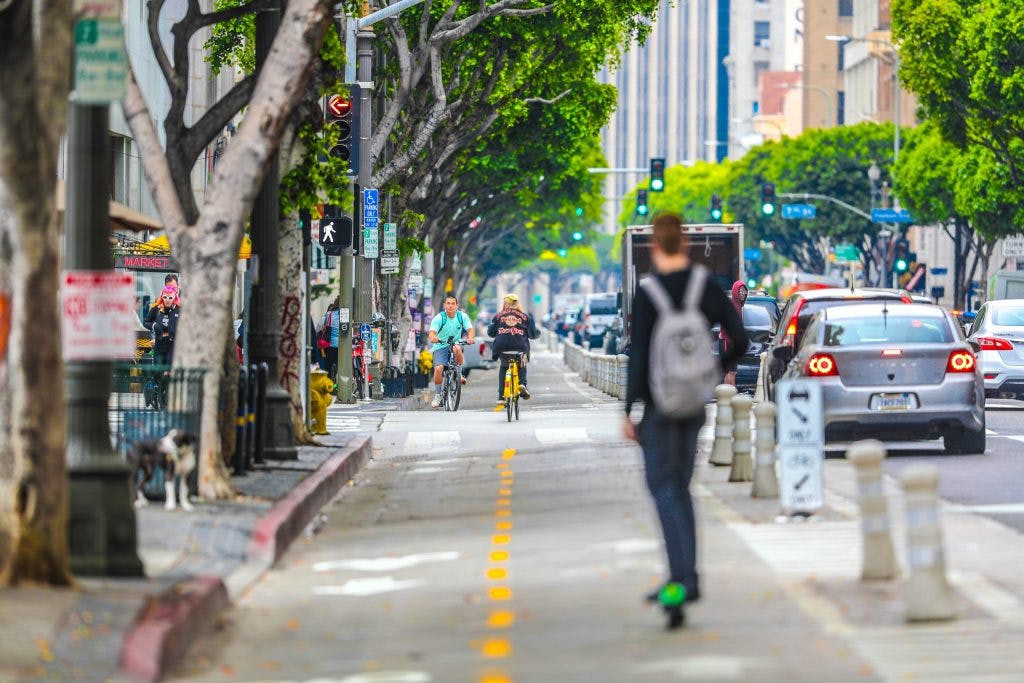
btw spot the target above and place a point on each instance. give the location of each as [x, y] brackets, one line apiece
[512, 329]
[449, 323]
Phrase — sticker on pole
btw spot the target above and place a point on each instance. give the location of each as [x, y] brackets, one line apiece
[99, 320]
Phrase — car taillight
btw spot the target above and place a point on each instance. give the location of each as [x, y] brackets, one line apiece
[892, 353]
[994, 344]
[483, 346]
[991, 375]
[822, 365]
[906, 299]
[789, 338]
[960, 361]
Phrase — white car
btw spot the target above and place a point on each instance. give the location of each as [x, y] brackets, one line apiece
[998, 333]
[477, 356]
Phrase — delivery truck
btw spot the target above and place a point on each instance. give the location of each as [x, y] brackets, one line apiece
[719, 246]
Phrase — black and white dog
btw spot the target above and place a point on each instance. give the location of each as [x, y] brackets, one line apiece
[176, 453]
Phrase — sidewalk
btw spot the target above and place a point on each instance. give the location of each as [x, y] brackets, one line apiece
[818, 562]
[196, 564]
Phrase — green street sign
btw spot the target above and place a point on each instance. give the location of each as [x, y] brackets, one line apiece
[101, 67]
[846, 253]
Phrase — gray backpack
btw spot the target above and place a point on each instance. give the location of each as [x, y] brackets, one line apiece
[683, 371]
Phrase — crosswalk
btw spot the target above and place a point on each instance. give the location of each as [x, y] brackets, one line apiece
[342, 422]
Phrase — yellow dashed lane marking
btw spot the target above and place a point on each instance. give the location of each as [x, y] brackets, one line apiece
[503, 502]
[500, 593]
[502, 513]
[496, 648]
[500, 539]
[502, 466]
[497, 573]
[499, 556]
[494, 678]
[501, 618]
[503, 526]
[504, 492]
[508, 453]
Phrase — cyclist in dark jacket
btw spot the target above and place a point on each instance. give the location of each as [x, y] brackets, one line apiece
[512, 329]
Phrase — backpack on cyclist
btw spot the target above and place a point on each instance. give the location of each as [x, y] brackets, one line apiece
[683, 371]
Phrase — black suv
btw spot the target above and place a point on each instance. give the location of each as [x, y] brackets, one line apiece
[799, 310]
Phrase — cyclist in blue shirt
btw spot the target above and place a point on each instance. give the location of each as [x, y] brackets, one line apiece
[451, 322]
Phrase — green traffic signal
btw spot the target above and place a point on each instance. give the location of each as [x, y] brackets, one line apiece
[767, 208]
[716, 214]
[579, 210]
[901, 265]
[562, 252]
[577, 236]
[657, 185]
[641, 202]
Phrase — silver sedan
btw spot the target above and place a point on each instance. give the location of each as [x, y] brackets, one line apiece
[894, 372]
[998, 331]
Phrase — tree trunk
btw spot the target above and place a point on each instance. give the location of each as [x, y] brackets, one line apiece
[959, 259]
[291, 354]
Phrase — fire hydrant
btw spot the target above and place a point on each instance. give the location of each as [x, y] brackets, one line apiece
[321, 388]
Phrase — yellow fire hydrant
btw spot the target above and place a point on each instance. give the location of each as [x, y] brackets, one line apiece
[321, 388]
[425, 362]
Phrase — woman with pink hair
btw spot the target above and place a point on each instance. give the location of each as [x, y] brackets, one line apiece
[738, 296]
[163, 321]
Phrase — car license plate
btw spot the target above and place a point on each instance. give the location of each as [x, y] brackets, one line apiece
[893, 402]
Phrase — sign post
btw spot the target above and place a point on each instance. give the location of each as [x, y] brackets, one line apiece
[801, 439]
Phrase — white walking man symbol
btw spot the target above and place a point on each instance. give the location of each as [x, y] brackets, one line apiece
[328, 232]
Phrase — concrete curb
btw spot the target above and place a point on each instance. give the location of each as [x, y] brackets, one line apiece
[167, 623]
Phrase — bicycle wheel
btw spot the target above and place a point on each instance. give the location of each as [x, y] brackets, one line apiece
[457, 392]
[449, 390]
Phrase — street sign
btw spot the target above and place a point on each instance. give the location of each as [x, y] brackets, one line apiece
[940, 271]
[364, 332]
[101, 66]
[371, 242]
[416, 282]
[891, 216]
[846, 253]
[98, 320]
[799, 211]
[1013, 247]
[801, 440]
[370, 207]
[390, 236]
[389, 262]
[751, 254]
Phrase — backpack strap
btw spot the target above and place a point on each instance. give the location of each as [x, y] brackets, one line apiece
[659, 297]
[695, 287]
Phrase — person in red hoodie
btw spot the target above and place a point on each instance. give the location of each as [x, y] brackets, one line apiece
[738, 296]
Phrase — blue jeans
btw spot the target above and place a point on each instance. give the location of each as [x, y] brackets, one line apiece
[669, 446]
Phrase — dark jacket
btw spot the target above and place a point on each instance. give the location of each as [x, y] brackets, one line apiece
[160, 321]
[512, 330]
[716, 309]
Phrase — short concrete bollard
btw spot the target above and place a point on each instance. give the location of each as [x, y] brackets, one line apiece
[927, 592]
[879, 560]
[759, 389]
[721, 452]
[742, 462]
[766, 484]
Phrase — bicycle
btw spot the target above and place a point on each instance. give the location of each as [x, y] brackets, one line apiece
[359, 377]
[511, 390]
[451, 381]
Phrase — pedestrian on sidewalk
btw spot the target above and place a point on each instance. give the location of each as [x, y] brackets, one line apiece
[162, 320]
[669, 441]
[449, 323]
[328, 337]
[512, 329]
[738, 297]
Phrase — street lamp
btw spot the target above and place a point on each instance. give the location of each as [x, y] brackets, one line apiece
[829, 99]
[874, 174]
[895, 81]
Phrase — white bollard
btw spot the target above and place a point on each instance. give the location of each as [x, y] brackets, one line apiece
[759, 389]
[721, 452]
[927, 592]
[766, 483]
[878, 560]
[742, 462]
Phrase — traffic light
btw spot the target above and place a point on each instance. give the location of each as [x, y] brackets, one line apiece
[641, 202]
[716, 208]
[341, 112]
[305, 221]
[577, 236]
[901, 259]
[579, 210]
[335, 231]
[657, 175]
[768, 198]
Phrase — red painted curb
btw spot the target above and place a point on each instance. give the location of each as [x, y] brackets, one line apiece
[285, 521]
[162, 632]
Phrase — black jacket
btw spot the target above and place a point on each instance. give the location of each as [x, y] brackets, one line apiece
[716, 308]
[160, 321]
[512, 330]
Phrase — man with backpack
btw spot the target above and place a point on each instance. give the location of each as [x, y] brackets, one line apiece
[673, 371]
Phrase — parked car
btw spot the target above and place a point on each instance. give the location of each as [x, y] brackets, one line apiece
[566, 326]
[599, 310]
[799, 310]
[998, 333]
[759, 325]
[477, 356]
[894, 371]
[768, 303]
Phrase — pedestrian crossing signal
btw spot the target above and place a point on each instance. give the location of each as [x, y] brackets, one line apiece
[335, 232]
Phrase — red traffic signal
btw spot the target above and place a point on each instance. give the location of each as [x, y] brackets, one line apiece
[341, 112]
[338, 106]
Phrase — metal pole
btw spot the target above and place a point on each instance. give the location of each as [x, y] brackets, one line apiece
[276, 427]
[345, 289]
[101, 519]
[307, 340]
[363, 303]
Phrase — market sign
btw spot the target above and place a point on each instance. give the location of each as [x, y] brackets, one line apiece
[145, 262]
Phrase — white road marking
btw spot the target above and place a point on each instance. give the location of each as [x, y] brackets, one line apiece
[990, 509]
[364, 587]
[385, 564]
[702, 668]
[381, 677]
[562, 435]
[425, 442]
[628, 546]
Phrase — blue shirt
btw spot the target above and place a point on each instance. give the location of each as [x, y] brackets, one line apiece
[449, 327]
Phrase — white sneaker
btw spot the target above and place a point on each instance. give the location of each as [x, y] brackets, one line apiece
[436, 403]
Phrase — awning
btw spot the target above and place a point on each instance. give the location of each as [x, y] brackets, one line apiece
[161, 245]
[121, 217]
